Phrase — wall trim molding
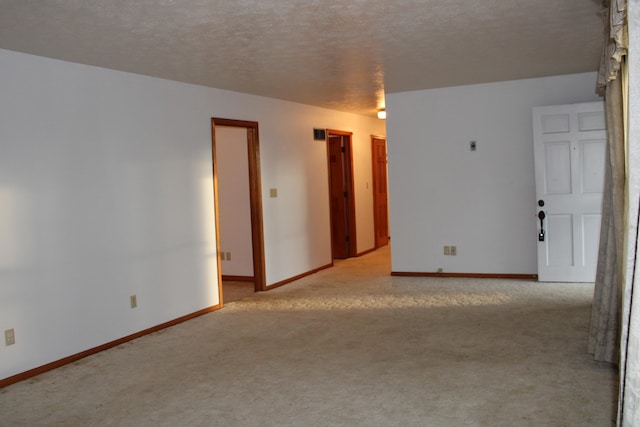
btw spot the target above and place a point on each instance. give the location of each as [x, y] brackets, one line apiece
[467, 275]
[238, 278]
[299, 276]
[75, 357]
[368, 251]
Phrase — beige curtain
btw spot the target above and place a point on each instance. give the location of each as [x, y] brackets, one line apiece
[604, 337]
[614, 13]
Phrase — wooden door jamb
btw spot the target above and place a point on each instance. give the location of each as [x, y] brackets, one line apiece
[255, 199]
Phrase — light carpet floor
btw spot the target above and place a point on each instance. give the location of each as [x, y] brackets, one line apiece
[349, 346]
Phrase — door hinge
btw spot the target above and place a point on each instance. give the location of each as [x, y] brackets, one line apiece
[345, 194]
[342, 149]
[347, 238]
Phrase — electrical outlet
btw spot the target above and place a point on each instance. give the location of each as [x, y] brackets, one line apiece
[447, 250]
[273, 192]
[133, 299]
[9, 337]
[454, 251]
[228, 256]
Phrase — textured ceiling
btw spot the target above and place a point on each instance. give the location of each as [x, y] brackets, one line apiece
[339, 54]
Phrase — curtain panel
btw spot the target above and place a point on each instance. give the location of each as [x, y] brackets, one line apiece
[612, 337]
[614, 14]
[604, 334]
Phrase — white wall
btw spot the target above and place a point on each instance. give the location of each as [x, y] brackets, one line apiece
[106, 191]
[234, 207]
[483, 202]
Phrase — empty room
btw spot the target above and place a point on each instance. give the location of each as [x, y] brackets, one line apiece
[319, 212]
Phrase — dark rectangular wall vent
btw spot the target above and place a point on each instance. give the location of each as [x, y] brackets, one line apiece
[319, 134]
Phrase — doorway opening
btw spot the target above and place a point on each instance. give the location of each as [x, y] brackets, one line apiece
[255, 204]
[341, 194]
[380, 195]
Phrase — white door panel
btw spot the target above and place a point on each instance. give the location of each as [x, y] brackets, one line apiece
[560, 253]
[569, 148]
[592, 167]
[557, 156]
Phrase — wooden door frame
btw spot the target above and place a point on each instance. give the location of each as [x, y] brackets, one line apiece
[255, 199]
[351, 200]
[375, 183]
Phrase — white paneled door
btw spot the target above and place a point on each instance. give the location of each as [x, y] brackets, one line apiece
[569, 146]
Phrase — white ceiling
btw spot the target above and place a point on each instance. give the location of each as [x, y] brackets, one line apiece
[339, 54]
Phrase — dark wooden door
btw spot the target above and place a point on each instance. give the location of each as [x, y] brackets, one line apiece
[380, 197]
[337, 191]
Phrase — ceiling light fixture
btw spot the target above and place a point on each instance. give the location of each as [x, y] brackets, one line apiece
[382, 114]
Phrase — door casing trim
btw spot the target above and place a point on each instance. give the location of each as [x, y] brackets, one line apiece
[255, 199]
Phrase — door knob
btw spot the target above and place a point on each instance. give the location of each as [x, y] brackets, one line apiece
[541, 216]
